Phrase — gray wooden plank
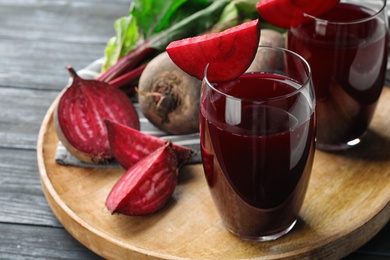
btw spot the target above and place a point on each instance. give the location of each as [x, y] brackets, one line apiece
[41, 65]
[21, 196]
[40, 38]
[21, 114]
[21, 242]
[71, 21]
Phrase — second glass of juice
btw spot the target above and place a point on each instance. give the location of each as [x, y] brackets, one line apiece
[347, 51]
[257, 143]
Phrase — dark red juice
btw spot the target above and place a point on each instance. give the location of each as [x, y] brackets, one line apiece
[258, 167]
[348, 63]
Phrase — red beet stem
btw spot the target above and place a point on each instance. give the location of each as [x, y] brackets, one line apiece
[72, 72]
[127, 77]
[129, 62]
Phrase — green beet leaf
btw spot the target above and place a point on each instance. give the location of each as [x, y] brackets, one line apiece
[125, 41]
[146, 19]
[152, 24]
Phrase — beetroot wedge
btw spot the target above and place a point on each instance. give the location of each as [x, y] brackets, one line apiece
[147, 186]
[129, 145]
[228, 53]
[79, 116]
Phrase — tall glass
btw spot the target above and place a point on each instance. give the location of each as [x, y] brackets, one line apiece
[258, 140]
[347, 52]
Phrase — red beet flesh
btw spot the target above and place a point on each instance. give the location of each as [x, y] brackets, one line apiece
[228, 53]
[130, 145]
[147, 186]
[80, 113]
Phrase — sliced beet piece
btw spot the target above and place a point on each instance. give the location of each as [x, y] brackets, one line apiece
[130, 145]
[228, 53]
[147, 186]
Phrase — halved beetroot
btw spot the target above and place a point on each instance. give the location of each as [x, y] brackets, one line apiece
[79, 115]
[287, 13]
[228, 53]
[129, 145]
[146, 186]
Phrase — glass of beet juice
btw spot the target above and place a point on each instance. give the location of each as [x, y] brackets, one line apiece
[257, 137]
[347, 51]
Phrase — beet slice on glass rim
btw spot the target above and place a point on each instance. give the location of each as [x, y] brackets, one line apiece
[229, 53]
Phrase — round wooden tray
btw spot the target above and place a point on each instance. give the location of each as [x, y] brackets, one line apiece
[347, 203]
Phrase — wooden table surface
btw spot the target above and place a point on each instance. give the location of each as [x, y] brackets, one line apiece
[38, 38]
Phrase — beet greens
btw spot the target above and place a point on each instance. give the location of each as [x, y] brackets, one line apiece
[152, 24]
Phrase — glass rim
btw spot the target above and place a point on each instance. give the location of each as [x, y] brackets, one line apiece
[276, 97]
[356, 21]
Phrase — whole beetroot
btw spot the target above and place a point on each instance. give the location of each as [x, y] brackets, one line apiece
[169, 97]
